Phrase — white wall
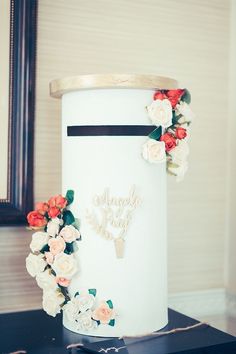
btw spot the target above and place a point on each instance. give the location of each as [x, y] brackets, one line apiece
[230, 259]
[184, 39]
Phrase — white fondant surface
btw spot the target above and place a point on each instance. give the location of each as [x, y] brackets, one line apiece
[137, 283]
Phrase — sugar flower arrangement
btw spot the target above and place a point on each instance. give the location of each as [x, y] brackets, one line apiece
[53, 263]
[171, 114]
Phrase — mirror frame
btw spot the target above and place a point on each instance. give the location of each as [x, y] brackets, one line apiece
[23, 33]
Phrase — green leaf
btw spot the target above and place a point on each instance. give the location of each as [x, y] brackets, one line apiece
[53, 272]
[69, 248]
[186, 97]
[175, 118]
[69, 196]
[93, 292]
[68, 217]
[112, 323]
[110, 304]
[76, 223]
[155, 134]
[45, 248]
[76, 294]
[64, 291]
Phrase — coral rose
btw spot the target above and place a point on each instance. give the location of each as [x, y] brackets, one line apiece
[159, 95]
[103, 313]
[53, 212]
[42, 208]
[58, 201]
[180, 133]
[174, 96]
[169, 140]
[35, 219]
[56, 245]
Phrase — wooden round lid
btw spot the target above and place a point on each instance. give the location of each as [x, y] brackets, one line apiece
[60, 86]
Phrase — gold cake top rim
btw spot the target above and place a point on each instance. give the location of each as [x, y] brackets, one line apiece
[59, 87]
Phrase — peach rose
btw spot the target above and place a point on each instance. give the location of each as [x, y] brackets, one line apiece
[70, 233]
[103, 313]
[64, 265]
[49, 257]
[36, 220]
[63, 281]
[42, 208]
[56, 245]
[58, 201]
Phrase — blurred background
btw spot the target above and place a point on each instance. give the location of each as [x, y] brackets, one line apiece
[192, 41]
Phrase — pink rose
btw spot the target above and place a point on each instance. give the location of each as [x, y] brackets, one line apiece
[103, 313]
[49, 257]
[56, 245]
[63, 281]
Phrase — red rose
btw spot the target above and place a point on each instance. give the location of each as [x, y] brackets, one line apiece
[180, 133]
[61, 201]
[53, 212]
[35, 219]
[174, 96]
[42, 208]
[58, 201]
[169, 140]
[159, 95]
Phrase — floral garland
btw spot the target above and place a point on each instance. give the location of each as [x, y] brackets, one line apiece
[53, 264]
[171, 114]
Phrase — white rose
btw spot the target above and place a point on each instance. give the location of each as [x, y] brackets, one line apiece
[69, 233]
[179, 171]
[184, 109]
[85, 301]
[85, 322]
[71, 309]
[39, 239]
[160, 113]
[35, 264]
[154, 151]
[52, 301]
[180, 152]
[46, 280]
[64, 265]
[53, 226]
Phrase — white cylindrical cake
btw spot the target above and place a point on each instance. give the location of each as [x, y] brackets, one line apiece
[120, 199]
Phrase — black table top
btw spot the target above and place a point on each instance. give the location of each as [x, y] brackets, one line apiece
[38, 333]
